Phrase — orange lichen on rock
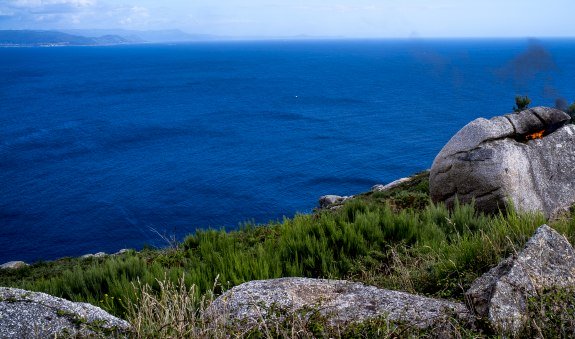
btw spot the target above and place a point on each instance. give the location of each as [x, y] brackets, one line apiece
[536, 135]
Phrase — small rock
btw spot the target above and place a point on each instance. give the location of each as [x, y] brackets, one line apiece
[500, 295]
[13, 265]
[328, 200]
[395, 183]
[122, 251]
[340, 301]
[25, 314]
[97, 255]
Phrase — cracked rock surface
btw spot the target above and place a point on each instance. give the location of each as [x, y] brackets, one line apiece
[493, 162]
[500, 295]
[25, 314]
[340, 301]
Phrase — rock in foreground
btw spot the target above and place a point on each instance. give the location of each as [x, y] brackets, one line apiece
[494, 160]
[340, 301]
[501, 295]
[25, 314]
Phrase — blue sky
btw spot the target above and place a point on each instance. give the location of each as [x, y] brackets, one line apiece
[347, 18]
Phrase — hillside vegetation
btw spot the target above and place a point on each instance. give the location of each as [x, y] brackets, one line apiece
[396, 239]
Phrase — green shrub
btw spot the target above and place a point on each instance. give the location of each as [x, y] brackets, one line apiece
[521, 103]
[571, 112]
[551, 314]
[376, 238]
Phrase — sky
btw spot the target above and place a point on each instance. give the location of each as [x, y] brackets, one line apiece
[336, 18]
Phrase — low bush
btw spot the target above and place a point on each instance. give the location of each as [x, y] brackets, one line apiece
[396, 239]
[521, 103]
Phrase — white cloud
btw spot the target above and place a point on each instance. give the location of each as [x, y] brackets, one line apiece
[57, 14]
[40, 14]
[6, 11]
[361, 18]
[135, 15]
[36, 10]
[33, 4]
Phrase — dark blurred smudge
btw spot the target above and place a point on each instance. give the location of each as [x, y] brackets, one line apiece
[530, 63]
[562, 104]
[435, 63]
[524, 69]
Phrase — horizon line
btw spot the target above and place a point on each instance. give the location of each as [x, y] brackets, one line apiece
[209, 36]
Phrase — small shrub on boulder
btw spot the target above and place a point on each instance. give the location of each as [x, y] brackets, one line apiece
[521, 103]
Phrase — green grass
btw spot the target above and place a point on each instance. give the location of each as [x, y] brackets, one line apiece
[396, 239]
[551, 315]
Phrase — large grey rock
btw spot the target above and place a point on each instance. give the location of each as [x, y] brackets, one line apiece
[500, 295]
[25, 314]
[340, 301]
[492, 162]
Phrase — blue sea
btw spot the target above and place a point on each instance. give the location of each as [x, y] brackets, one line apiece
[103, 148]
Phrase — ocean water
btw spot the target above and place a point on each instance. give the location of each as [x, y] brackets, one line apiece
[103, 148]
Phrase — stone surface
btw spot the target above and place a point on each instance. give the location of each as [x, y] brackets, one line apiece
[122, 251]
[340, 301]
[500, 295]
[491, 162]
[395, 183]
[329, 200]
[25, 314]
[96, 255]
[13, 265]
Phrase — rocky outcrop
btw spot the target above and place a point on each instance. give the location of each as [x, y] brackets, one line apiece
[96, 255]
[13, 265]
[395, 183]
[501, 295]
[25, 314]
[327, 201]
[20, 264]
[495, 161]
[340, 301]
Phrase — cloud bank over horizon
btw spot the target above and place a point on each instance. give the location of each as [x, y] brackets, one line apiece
[346, 18]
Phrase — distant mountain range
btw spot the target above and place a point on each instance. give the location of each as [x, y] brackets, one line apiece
[172, 35]
[101, 37]
[93, 37]
[54, 38]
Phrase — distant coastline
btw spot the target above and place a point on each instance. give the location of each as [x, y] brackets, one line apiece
[71, 38]
[52, 38]
[31, 38]
[52, 45]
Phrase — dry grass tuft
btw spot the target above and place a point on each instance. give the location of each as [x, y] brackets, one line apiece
[173, 311]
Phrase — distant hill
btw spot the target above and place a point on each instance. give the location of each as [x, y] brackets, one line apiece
[176, 35]
[55, 38]
[172, 35]
[99, 37]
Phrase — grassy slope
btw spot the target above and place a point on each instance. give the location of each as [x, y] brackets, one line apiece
[395, 239]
